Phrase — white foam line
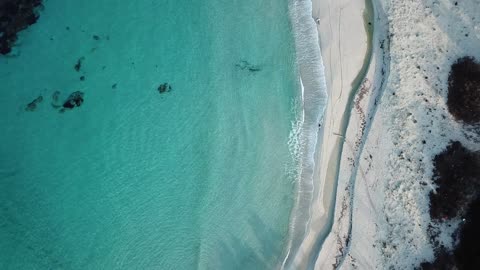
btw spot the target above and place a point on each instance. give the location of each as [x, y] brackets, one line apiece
[314, 100]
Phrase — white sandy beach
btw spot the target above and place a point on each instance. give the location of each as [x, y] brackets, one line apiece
[336, 21]
[380, 209]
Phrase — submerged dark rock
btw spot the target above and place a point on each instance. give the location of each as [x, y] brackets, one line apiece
[74, 100]
[78, 65]
[164, 87]
[32, 106]
[245, 65]
[464, 90]
[15, 16]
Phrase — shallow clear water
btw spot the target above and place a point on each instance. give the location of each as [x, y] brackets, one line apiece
[197, 178]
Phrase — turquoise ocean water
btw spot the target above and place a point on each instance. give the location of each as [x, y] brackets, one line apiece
[200, 177]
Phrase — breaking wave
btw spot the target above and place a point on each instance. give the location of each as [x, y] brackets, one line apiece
[304, 135]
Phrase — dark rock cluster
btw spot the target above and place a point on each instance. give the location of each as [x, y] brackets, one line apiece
[74, 100]
[15, 16]
[464, 90]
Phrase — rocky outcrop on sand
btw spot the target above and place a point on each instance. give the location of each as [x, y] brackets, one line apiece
[464, 90]
[457, 176]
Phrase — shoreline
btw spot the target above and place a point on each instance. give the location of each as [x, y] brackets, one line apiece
[397, 128]
[370, 204]
[313, 88]
[340, 82]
